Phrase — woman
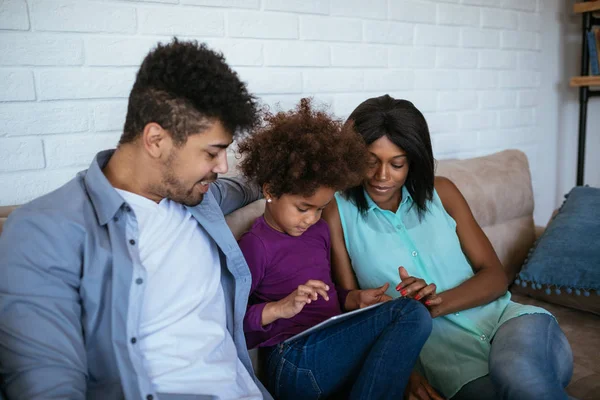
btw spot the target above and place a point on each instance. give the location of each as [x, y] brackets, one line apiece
[483, 346]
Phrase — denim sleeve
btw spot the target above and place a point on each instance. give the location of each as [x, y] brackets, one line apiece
[42, 352]
[235, 192]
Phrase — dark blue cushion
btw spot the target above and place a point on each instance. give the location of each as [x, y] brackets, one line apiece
[566, 258]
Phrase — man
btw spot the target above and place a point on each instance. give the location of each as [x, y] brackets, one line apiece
[126, 282]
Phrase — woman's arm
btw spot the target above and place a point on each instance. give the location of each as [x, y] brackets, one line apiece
[489, 281]
[343, 275]
[341, 266]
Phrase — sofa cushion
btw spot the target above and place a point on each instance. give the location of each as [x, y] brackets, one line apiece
[563, 267]
[498, 189]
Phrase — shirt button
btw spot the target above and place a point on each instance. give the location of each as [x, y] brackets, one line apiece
[482, 338]
[133, 340]
[414, 253]
[127, 208]
[116, 219]
[139, 281]
[131, 242]
[457, 314]
[149, 397]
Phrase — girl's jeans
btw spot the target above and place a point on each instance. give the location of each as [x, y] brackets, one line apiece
[369, 356]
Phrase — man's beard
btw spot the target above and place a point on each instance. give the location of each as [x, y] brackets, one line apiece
[175, 190]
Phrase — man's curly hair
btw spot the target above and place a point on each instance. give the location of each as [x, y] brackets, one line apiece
[298, 151]
[180, 86]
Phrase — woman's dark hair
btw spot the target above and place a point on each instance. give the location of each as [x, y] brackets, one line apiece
[405, 126]
[298, 151]
[180, 86]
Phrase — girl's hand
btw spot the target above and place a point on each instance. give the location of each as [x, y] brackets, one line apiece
[305, 294]
[417, 289]
[368, 297]
[363, 298]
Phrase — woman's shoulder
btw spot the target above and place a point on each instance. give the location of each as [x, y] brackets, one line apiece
[448, 194]
[343, 204]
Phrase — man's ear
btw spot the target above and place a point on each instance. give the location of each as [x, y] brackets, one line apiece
[156, 140]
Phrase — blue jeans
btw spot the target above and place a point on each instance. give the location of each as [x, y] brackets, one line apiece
[369, 356]
[530, 359]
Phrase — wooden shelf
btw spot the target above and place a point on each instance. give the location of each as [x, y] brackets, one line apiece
[587, 6]
[578, 81]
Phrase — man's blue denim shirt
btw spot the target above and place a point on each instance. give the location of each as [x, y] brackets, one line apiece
[71, 290]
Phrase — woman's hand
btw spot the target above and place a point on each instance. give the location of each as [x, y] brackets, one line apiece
[419, 389]
[367, 297]
[418, 289]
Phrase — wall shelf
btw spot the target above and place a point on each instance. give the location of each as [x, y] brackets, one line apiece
[587, 6]
[585, 80]
[578, 81]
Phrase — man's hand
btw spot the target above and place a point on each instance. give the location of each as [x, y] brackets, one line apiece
[419, 389]
[364, 298]
[417, 289]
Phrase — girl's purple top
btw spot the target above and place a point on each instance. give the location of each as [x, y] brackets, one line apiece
[279, 263]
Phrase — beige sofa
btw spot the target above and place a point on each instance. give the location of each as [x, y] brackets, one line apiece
[498, 189]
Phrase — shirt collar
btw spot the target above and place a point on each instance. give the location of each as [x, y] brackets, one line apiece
[105, 199]
[406, 199]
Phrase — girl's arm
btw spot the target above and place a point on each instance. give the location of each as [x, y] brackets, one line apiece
[254, 252]
[259, 316]
[489, 281]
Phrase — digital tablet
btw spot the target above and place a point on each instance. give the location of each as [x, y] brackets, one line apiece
[332, 321]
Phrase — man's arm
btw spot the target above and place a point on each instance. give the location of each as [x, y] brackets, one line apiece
[235, 192]
[42, 352]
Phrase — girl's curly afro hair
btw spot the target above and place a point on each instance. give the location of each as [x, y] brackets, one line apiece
[298, 151]
[181, 86]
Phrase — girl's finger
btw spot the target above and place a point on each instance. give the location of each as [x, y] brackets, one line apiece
[323, 294]
[317, 284]
[384, 298]
[309, 291]
[301, 299]
[383, 288]
[320, 289]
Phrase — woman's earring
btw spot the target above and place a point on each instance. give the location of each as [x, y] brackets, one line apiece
[269, 200]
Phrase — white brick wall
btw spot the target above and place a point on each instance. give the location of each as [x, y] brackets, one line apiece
[66, 68]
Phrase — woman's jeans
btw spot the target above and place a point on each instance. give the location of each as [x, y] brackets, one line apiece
[369, 356]
[530, 360]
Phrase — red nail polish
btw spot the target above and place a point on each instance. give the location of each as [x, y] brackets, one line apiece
[428, 302]
[417, 297]
[403, 292]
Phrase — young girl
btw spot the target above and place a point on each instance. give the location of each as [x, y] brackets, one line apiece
[301, 158]
[483, 346]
